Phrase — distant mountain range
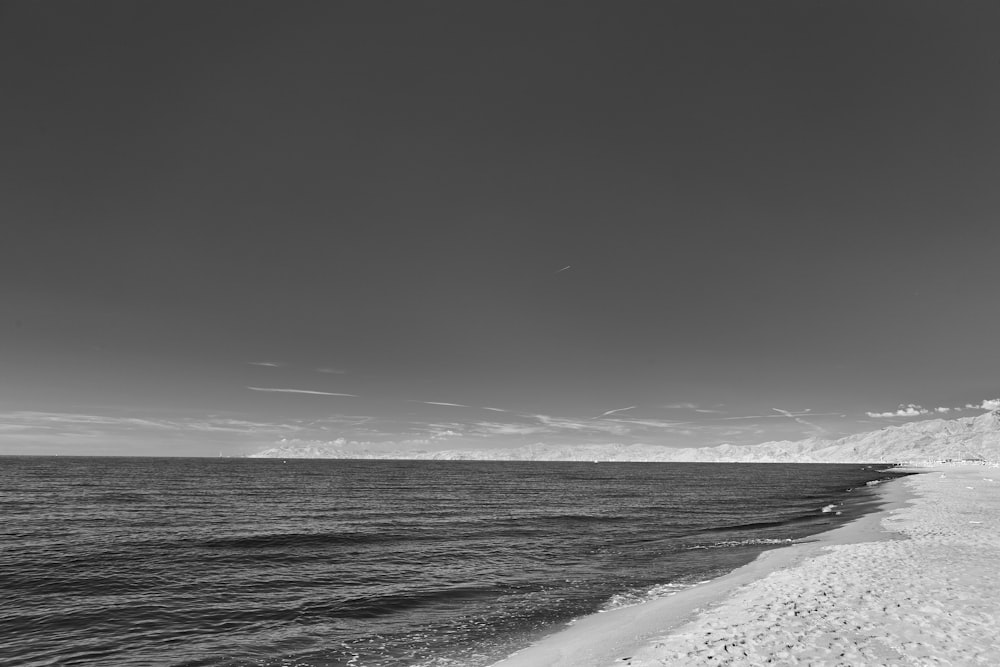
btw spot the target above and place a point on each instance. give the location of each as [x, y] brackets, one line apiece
[965, 438]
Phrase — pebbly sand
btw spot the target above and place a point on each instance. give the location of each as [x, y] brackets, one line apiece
[915, 584]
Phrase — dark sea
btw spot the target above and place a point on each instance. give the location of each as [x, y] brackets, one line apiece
[146, 561]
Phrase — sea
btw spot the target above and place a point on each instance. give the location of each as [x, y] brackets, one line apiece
[337, 563]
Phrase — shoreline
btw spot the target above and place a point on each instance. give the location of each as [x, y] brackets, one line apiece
[616, 636]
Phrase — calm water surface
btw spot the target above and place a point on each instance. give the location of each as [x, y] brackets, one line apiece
[140, 561]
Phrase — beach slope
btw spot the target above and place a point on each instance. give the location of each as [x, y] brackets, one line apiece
[914, 584]
[931, 598]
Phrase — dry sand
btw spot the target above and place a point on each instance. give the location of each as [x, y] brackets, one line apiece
[915, 584]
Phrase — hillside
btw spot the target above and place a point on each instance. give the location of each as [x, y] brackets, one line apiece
[920, 441]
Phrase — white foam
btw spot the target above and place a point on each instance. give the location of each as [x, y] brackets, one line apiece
[631, 598]
[742, 543]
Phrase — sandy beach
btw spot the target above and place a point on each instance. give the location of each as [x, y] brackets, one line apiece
[913, 584]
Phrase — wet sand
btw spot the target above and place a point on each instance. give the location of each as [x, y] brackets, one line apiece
[913, 584]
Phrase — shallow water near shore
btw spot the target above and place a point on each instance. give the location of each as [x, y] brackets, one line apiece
[323, 562]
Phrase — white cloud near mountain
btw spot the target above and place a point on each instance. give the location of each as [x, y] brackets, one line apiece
[915, 410]
[907, 410]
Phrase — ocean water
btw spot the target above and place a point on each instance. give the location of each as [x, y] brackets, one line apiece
[143, 561]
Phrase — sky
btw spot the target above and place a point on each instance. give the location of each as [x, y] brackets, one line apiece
[444, 225]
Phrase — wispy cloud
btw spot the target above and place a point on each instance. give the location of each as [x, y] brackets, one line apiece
[604, 426]
[15, 427]
[693, 406]
[300, 391]
[547, 424]
[649, 423]
[443, 431]
[340, 421]
[563, 269]
[332, 371]
[494, 409]
[359, 446]
[29, 430]
[496, 428]
[44, 419]
[233, 426]
[269, 364]
[611, 412]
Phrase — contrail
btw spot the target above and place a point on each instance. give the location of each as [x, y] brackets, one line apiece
[562, 269]
[797, 416]
[778, 416]
[300, 391]
[451, 405]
